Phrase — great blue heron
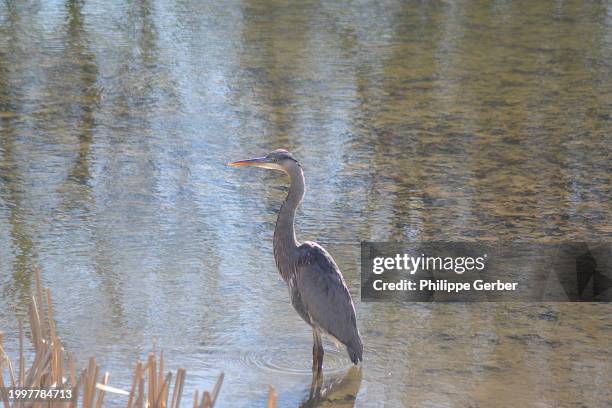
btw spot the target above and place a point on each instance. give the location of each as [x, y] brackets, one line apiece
[316, 286]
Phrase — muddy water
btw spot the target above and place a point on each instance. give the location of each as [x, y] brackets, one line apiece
[413, 120]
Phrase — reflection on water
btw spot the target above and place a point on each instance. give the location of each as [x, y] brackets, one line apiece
[414, 120]
[337, 392]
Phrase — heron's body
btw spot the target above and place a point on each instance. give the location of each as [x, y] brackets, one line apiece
[336, 317]
[316, 285]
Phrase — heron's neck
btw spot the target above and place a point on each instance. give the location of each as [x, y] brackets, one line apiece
[285, 242]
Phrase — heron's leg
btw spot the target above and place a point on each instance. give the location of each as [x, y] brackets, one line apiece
[317, 365]
[320, 363]
[317, 352]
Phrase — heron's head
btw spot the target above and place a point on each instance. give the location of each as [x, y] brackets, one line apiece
[277, 160]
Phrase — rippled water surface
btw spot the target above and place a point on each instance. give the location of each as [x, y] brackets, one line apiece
[413, 120]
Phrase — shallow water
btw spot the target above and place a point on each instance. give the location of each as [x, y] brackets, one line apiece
[413, 121]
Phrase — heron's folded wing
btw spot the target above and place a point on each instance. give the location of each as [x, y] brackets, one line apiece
[324, 294]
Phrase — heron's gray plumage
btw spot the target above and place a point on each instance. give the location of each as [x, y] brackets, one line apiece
[316, 285]
[326, 298]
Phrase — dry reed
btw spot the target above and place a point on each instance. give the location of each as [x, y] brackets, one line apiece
[52, 367]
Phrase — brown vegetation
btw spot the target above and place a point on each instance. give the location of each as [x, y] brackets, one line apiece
[52, 367]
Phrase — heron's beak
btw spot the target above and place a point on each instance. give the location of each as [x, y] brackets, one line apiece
[257, 161]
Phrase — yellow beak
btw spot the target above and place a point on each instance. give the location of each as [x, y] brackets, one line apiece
[249, 162]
